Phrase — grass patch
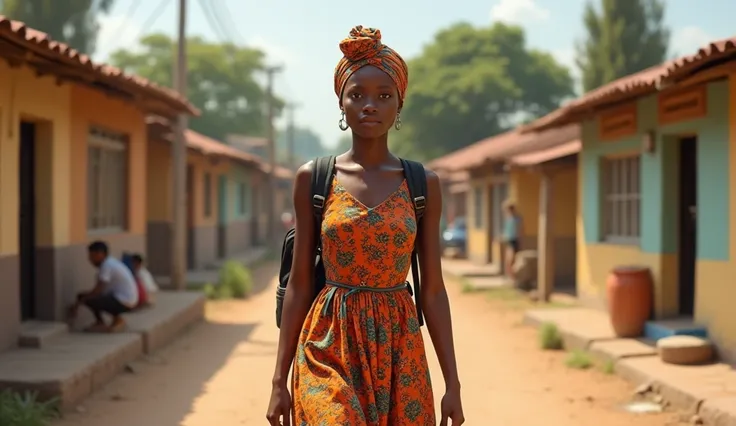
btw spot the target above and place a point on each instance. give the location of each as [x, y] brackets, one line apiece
[579, 360]
[466, 286]
[550, 338]
[26, 410]
[608, 367]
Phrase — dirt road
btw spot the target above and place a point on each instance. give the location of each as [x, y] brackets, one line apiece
[219, 374]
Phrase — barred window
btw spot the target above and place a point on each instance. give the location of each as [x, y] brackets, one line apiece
[621, 184]
[107, 188]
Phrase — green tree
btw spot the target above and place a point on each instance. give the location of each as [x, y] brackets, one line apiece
[73, 22]
[623, 38]
[473, 82]
[221, 82]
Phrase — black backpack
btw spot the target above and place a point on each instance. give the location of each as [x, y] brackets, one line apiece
[322, 173]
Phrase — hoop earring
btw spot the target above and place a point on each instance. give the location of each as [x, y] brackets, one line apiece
[397, 123]
[342, 124]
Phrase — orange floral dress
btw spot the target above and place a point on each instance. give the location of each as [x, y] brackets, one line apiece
[361, 359]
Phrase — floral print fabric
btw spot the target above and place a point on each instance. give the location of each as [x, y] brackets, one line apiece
[361, 358]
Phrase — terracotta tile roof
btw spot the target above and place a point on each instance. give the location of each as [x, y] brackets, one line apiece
[161, 128]
[638, 84]
[38, 50]
[505, 145]
[539, 157]
[208, 146]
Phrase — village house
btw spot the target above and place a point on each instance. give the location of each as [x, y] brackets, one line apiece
[657, 167]
[72, 169]
[513, 168]
[226, 204]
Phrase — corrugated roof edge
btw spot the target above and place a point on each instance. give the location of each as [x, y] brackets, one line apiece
[32, 39]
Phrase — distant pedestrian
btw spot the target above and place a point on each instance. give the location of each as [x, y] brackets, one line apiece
[512, 232]
[358, 350]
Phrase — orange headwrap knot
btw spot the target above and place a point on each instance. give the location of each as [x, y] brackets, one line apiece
[364, 47]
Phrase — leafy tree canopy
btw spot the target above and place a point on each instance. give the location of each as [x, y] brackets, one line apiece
[73, 22]
[474, 82]
[222, 82]
[623, 38]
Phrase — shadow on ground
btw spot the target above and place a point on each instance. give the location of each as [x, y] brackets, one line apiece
[171, 387]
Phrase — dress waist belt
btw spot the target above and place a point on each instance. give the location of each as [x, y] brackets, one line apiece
[353, 289]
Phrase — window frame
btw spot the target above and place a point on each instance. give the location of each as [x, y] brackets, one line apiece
[105, 149]
[620, 186]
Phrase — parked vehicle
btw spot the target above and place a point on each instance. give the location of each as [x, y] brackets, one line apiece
[454, 237]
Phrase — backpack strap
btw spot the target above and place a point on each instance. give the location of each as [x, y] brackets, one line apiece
[322, 172]
[416, 179]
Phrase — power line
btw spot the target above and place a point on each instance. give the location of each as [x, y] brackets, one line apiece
[131, 11]
[225, 17]
[154, 15]
[212, 21]
[152, 18]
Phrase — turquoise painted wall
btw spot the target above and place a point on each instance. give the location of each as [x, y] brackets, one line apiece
[659, 177]
[238, 175]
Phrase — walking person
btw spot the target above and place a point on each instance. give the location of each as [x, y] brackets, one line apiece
[512, 228]
[357, 349]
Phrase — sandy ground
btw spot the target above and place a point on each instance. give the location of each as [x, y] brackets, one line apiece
[219, 374]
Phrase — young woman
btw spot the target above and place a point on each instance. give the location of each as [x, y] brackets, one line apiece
[357, 351]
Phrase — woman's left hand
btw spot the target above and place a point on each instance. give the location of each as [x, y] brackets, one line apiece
[452, 409]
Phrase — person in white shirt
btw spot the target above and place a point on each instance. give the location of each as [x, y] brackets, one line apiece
[115, 292]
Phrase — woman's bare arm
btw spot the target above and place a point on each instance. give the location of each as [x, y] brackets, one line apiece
[435, 303]
[299, 290]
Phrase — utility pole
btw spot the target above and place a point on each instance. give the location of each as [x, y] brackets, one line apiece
[179, 148]
[272, 181]
[290, 108]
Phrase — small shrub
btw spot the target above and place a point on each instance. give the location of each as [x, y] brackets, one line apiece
[235, 280]
[211, 291]
[25, 409]
[467, 286]
[608, 367]
[579, 360]
[550, 338]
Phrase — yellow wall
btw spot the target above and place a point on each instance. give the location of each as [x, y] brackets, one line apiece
[477, 236]
[524, 193]
[565, 202]
[88, 108]
[715, 289]
[200, 165]
[159, 185]
[25, 96]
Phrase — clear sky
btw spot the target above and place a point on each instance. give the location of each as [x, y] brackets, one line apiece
[304, 36]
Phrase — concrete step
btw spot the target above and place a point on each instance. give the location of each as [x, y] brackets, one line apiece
[660, 329]
[70, 367]
[173, 313]
[37, 334]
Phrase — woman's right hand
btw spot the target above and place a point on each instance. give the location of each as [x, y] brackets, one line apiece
[279, 409]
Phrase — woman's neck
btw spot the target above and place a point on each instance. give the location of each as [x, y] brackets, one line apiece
[370, 152]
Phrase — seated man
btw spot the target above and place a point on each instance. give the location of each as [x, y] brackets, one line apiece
[115, 292]
[145, 277]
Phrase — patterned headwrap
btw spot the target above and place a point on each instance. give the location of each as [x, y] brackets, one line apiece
[363, 47]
